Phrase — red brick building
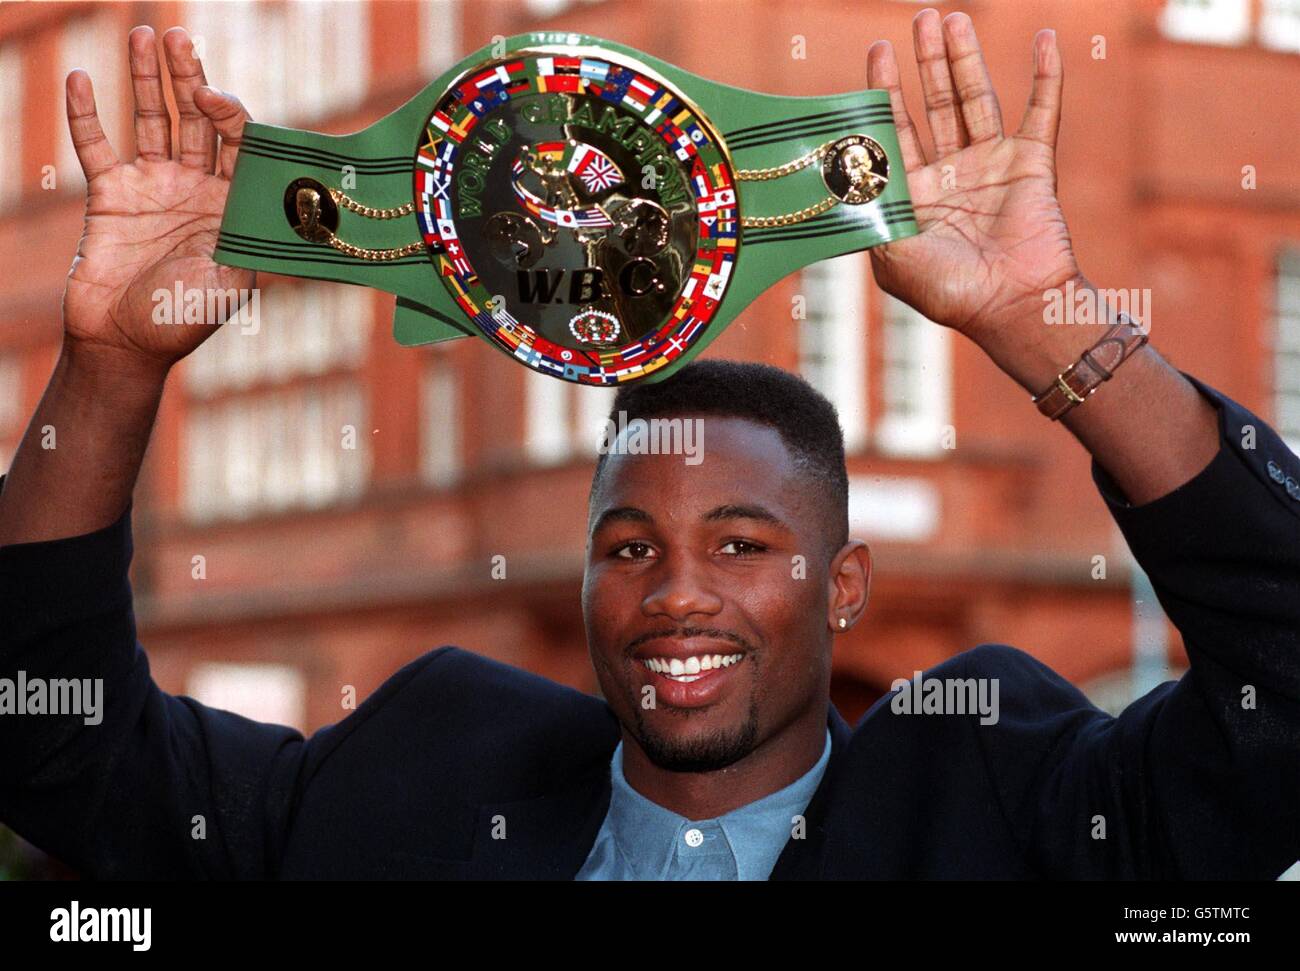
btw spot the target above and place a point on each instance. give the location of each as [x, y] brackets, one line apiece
[279, 562]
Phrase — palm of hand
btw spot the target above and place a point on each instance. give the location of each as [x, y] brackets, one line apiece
[992, 235]
[150, 226]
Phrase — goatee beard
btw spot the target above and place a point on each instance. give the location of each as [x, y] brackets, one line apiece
[708, 753]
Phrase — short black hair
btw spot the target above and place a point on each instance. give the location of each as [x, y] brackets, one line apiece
[785, 402]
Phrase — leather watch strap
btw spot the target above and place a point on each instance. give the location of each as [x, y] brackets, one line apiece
[1094, 366]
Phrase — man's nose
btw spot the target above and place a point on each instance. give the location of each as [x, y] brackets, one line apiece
[682, 587]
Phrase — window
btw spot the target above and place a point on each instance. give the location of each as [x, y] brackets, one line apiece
[319, 60]
[11, 125]
[917, 382]
[1286, 349]
[11, 405]
[278, 414]
[440, 420]
[562, 419]
[439, 35]
[899, 508]
[275, 693]
[832, 339]
[11, 393]
[547, 438]
[1279, 25]
[592, 409]
[1207, 21]
[548, 8]
[96, 44]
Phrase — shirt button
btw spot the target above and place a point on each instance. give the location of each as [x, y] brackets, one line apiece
[694, 837]
[1275, 473]
[1292, 488]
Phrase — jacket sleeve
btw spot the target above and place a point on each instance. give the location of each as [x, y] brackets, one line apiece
[1200, 778]
[149, 785]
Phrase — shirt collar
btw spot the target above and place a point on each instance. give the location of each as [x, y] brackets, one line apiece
[646, 833]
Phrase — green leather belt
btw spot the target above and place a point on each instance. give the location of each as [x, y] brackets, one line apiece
[597, 214]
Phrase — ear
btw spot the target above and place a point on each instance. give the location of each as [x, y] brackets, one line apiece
[849, 587]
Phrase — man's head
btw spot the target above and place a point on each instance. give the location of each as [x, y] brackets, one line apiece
[742, 557]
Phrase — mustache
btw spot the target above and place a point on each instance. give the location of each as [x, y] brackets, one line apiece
[682, 633]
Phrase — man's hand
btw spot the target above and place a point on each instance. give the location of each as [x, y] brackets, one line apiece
[993, 237]
[152, 223]
[993, 240]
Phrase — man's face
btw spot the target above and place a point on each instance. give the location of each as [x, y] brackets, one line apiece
[857, 164]
[693, 562]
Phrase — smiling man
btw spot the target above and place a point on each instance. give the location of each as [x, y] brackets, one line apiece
[712, 593]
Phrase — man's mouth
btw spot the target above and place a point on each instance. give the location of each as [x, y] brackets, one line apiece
[684, 670]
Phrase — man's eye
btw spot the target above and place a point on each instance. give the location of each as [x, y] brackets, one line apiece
[742, 547]
[634, 551]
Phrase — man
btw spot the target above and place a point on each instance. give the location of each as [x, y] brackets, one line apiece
[716, 753]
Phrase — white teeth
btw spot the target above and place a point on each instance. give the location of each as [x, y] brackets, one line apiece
[690, 669]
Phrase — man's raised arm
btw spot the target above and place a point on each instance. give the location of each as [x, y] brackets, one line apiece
[150, 224]
[1197, 779]
[133, 782]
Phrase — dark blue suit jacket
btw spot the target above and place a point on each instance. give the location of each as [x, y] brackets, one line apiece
[1192, 780]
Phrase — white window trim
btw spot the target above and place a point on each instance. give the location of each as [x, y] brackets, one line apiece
[918, 434]
[1225, 22]
[1286, 337]
[834, 292]
[441, 462]
[901, 509]
[548, 439]
[268, 693]
[11, 393]
[439, 35]
[1279, 25]
[268, 448]
[313, 39]
[11, 129]
[591, 407]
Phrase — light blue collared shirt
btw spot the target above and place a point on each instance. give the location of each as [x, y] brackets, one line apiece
[641, 840]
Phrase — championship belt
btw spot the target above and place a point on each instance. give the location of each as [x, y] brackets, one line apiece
[597, 214]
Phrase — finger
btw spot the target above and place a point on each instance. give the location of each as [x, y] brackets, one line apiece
[93, 150]
[198, 139]
[228, 115]
[946, 125]
[153, 122]
[1043, 113]
[882, 72]
[970, 76]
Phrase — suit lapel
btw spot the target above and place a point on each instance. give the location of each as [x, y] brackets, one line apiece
[547, 838]
[802, 859]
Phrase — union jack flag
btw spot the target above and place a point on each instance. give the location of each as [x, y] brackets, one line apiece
[596, 169]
